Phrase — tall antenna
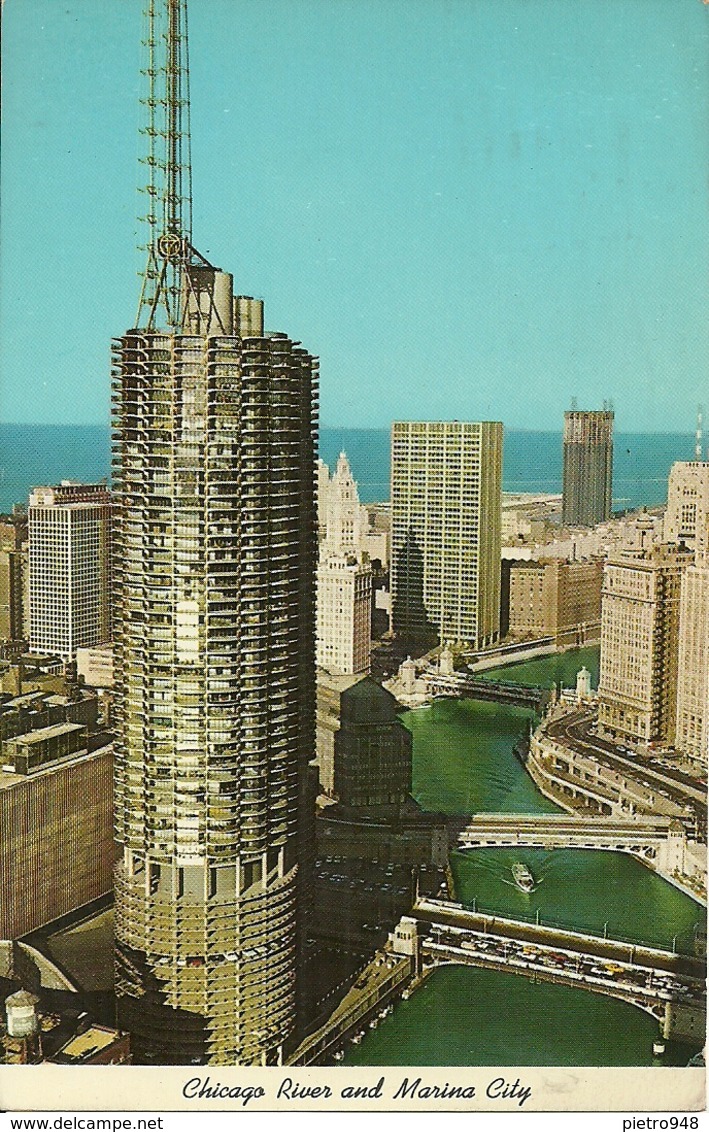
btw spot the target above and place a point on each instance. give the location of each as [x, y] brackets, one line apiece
[698, 434]
[167, 158]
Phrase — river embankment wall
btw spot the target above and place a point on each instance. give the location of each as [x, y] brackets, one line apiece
[506, 658]
[600, 790]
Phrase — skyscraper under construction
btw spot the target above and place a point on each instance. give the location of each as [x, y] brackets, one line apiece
[588, 468]
[215, 553]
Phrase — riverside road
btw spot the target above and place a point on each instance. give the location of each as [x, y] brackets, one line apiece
[575, 730]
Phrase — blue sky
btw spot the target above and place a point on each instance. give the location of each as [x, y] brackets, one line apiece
[467, 208]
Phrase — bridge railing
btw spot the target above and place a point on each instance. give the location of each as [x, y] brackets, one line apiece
[676, 944]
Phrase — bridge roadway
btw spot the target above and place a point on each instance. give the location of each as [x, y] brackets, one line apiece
[667, 985]
[642, 836]
[428, 910]
[475, 688]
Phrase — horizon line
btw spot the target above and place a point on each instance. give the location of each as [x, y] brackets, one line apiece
[351, 428]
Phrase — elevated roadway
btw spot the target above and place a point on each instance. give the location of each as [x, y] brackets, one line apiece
[575, 730]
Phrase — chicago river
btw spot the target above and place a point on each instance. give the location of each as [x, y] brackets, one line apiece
[464, 763]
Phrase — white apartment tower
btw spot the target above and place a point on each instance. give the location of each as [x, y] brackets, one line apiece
[214, 684]
[446, 485]
[69, 568]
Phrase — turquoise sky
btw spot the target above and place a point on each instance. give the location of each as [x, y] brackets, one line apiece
[467, 208]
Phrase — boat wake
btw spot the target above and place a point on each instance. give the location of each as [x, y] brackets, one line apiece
[525, 891]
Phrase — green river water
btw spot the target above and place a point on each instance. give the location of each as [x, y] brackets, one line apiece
[463, 763]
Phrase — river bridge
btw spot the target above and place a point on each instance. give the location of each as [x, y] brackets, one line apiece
[667, 985]
[658, 841]
[468, 687]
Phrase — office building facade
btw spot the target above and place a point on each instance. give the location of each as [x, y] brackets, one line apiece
[14, 620]
[587, 487]
[344, 614]
[56, 815]
[364, 750]
[446, 483]
[69, 568]
[346, 520]
[556, 598]
[692, 733]
[688, 504]
[344, 579]
[640, 614]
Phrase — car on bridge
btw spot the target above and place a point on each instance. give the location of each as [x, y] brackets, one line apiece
[549, 960]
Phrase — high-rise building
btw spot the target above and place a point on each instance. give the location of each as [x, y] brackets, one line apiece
[344, 580]
[323, 492]
[214, 447]
[13, 577]
[364, 750]
[587, 468]
[640, 611]
[353, 527]
[69, 567]
[687, 503]
[446, 483]
[692, 733]
[344, 614]
[554, 597]
[346, 522]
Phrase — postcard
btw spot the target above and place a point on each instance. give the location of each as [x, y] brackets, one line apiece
[354, 561]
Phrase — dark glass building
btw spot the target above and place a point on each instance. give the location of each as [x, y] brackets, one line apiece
[588, 468]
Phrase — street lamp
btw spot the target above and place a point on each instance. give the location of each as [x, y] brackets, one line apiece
[605, 930]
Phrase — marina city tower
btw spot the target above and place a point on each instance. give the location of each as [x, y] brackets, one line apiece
[215, 544]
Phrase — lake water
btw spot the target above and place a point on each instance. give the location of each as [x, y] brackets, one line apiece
[45, 454]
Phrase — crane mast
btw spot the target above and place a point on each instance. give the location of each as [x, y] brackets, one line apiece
[167, 221]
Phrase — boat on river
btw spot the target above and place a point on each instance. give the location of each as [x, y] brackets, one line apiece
[522, 877]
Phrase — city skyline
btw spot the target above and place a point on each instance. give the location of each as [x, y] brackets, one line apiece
[298, 849]
[567, 157]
